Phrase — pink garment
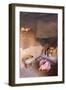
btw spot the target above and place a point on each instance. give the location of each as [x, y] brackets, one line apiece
[44, 65]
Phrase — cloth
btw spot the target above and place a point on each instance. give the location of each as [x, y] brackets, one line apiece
[45, 65]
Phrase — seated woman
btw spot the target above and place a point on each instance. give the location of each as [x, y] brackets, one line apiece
[47, 58]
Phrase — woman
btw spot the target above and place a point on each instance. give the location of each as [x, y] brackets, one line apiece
[47, 58]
